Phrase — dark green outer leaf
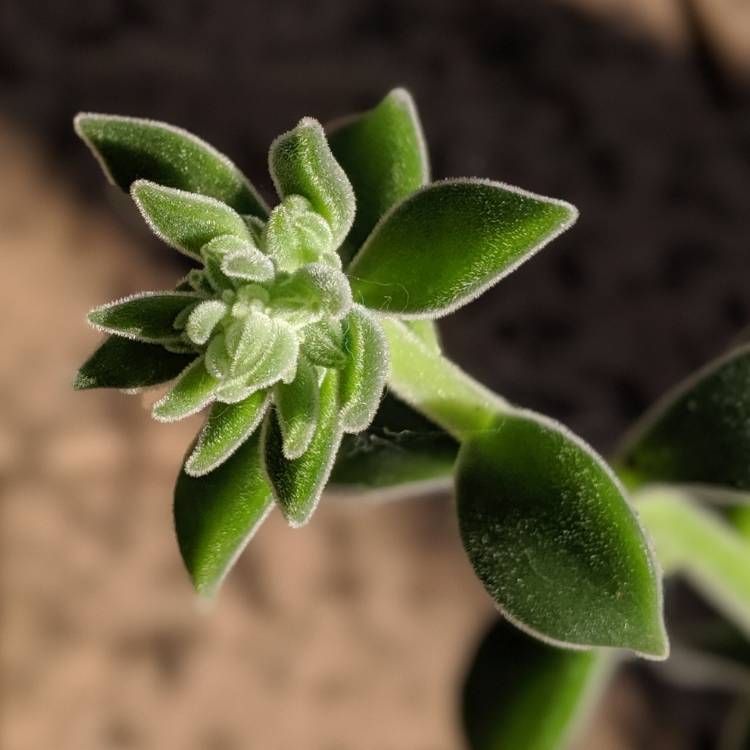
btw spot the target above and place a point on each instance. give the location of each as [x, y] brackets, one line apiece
[148, 316]
[217, 514]
[549, 533]
[449, 242]
[383, 152]
[131, 149]
[400, 447]
[521, 694]
[124, 363]
[698, 433]
[297, 484]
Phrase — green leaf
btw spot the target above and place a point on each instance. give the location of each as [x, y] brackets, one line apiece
[248, 265]
[696, 543]
[298, 484]
[124, 363]
[301, 163]
[521, 694]
[698, 433]
[217, 514]
[148, 316]
[185, 221]
[400, 447]
[203, 318]
[446, 244]
[323, 343]
[552, 538]
[228, 426]
[384, 154]
[194, 390]
[363, 377]
[131, 149]
[297, 405]
[295, 234]
[311, 293]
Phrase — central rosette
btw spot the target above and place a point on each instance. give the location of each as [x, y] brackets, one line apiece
[274, 298]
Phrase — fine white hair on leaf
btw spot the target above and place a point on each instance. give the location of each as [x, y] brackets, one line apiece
[160, 411]
[203, 319]
[231, 448]
[124, 333]
[443, 310]
[141, 188]
[342, 205]
[82, 117]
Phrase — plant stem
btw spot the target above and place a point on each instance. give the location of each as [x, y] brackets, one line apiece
[702, 546]
[435, 386]
[688, 539]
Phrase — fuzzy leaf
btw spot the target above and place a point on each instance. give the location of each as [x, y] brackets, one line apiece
[297, 405]
[259, 362]
[363, 377]
[384, 154]
[295, 235]
[131, 149]
[323, 344]
[194, 389]
[249, 265]
[228, 426]
[400, 447]
[185, 221]
[553, 539]
[217, 514]
[203, 319]
[148, 316]
[298, 484]
[700, 432]
[124, 363]
[301, 163]
[446, 244]
[312, 292]
[524, 694]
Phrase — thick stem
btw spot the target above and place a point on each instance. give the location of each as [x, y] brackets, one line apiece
[433, 385]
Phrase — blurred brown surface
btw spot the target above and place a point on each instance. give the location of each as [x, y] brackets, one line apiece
[350, 633]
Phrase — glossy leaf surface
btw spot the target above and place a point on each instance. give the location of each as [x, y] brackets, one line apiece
[148, 316]
[700, 432]
[553, 539]
[297, 484]
[217, 514]
[384, 154]
[301, 163]
[446, 244]
[124, 363]
[130, 149]
[226, 429]
[524, 694]
[186, 221]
